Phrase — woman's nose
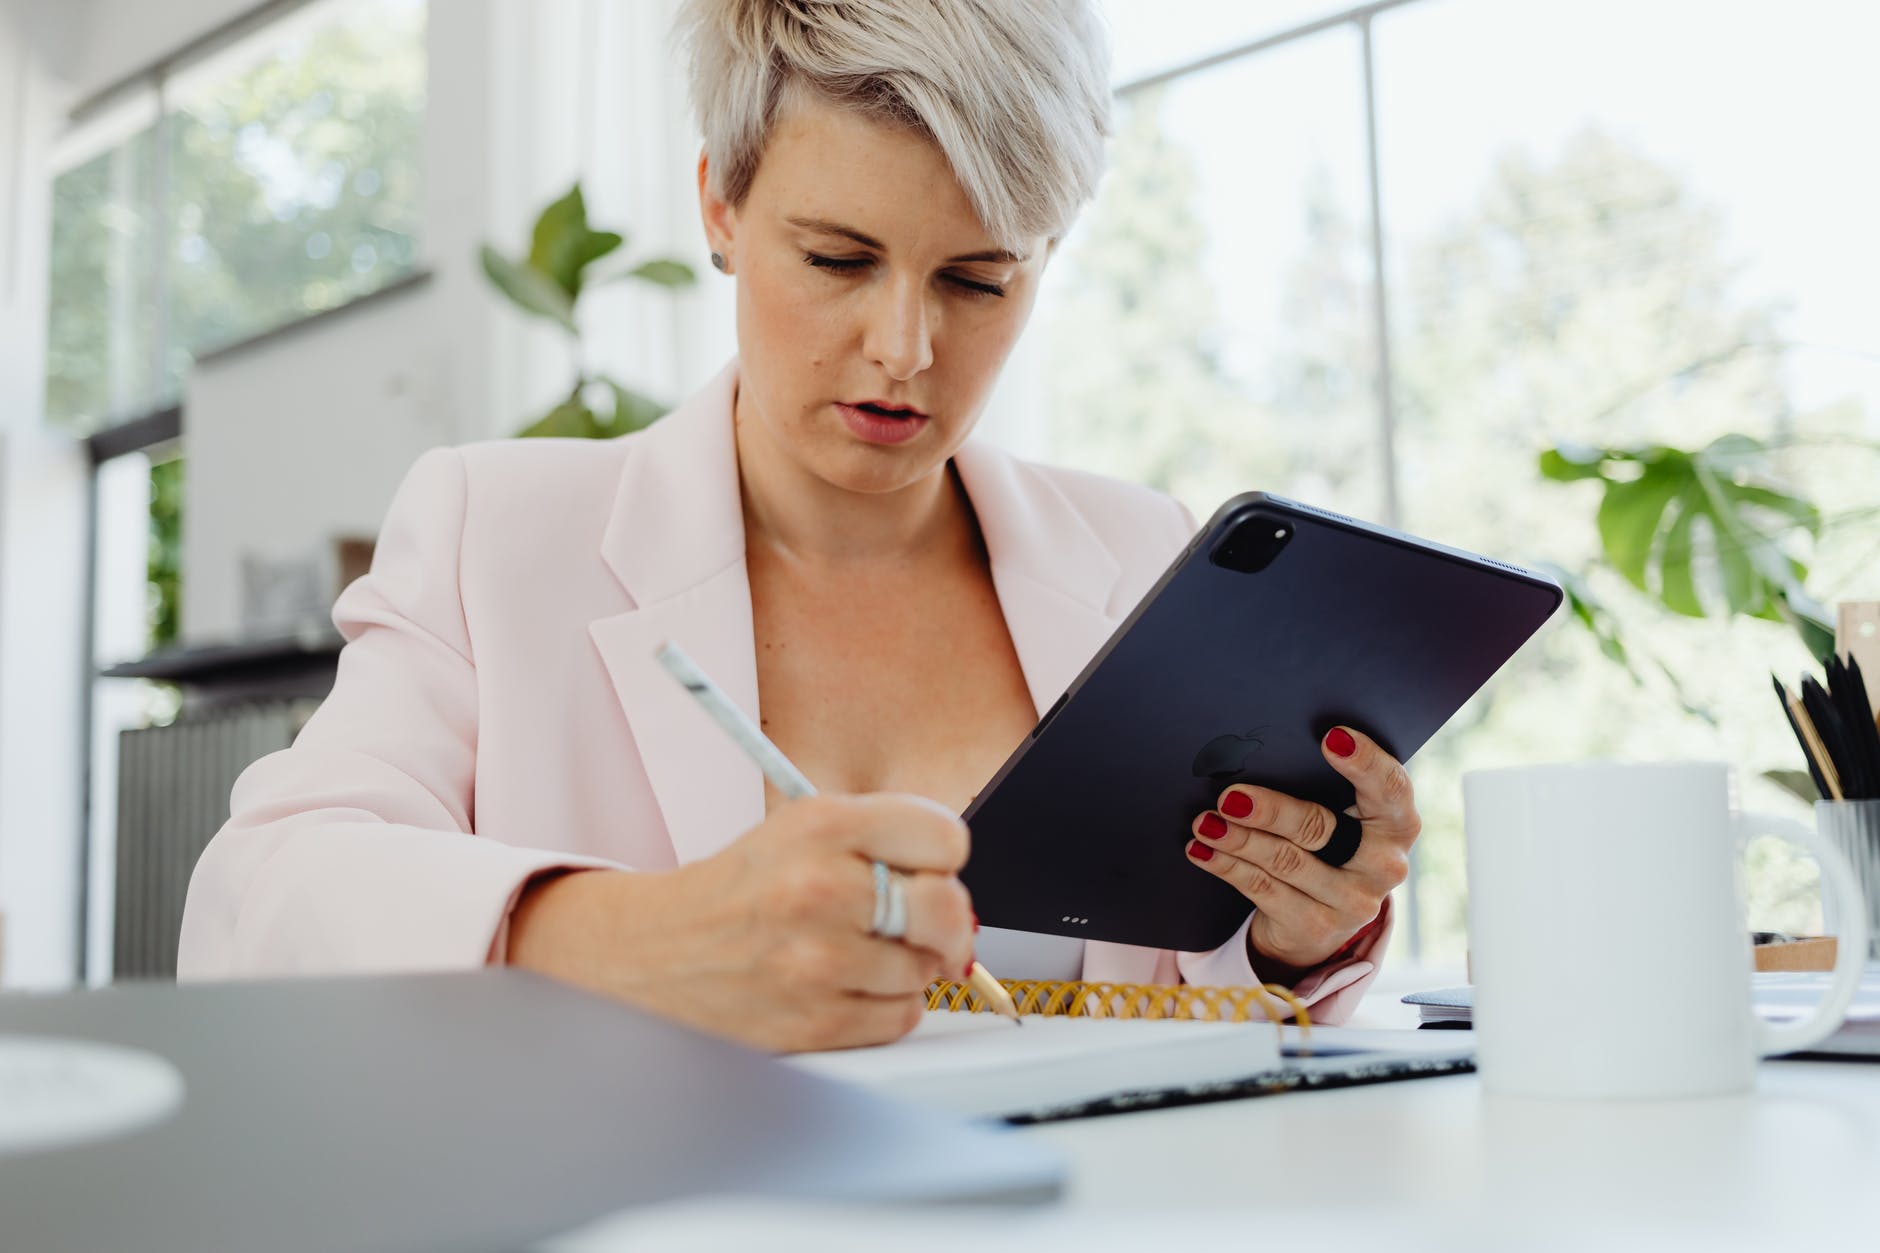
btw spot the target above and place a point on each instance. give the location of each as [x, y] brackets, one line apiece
[897, 336]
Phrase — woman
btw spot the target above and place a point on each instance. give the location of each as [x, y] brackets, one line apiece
[504, 774]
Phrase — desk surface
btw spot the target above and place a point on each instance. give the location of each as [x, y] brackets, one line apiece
[1807, 1142]
[1432, 1164]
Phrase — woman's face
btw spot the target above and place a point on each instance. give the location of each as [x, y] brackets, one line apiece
[866, 287]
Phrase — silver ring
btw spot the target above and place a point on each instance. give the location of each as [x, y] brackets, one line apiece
[890, 904]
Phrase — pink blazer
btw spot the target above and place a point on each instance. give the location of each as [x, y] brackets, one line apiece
[498, 711]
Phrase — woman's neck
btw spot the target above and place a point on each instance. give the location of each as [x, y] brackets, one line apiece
[806, 519]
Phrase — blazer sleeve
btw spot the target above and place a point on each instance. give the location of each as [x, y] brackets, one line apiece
[355, 849]
[1331, 992]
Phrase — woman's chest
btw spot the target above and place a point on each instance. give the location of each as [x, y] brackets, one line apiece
[890, 685]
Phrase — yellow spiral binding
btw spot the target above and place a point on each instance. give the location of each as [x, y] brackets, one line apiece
[1129, 1000]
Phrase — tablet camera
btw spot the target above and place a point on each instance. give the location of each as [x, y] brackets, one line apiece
[1253, 544]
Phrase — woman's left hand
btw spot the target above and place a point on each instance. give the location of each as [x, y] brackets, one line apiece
[1262, 842]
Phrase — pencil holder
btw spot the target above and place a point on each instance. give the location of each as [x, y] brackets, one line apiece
[1854, 828]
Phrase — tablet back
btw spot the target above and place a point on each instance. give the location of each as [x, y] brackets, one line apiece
[1225, 675]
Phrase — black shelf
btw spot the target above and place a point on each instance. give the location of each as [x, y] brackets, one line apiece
[281, 666]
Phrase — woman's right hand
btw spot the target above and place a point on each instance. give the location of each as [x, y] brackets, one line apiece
[768, 942]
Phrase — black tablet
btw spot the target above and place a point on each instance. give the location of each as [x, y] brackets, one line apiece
[1278, 622]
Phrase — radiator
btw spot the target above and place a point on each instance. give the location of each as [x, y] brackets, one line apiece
[173, 792]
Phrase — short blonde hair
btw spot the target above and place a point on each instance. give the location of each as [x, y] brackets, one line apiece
[1015, 93]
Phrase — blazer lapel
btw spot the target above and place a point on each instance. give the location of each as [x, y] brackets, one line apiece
[1053, 573]
[675, 541]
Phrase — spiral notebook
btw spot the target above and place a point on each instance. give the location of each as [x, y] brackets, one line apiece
[1084, 1049]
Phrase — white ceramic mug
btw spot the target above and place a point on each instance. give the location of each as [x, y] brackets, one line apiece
[1606, 931]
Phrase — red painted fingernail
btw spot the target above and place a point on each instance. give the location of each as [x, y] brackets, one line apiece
[1199, 851]
[967, 974]
[1339, 741]
[1237, 804]
[1212, 826]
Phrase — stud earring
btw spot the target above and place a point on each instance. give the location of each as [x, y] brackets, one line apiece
[718, 263]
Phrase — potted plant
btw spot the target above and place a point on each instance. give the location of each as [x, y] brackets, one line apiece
[548, 283]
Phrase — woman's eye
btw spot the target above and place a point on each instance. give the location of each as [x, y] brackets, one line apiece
[851, 265]
[974, 286]
[841, 265]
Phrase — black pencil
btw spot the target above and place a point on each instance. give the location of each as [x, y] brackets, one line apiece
[1808, 755]
[1833, 732]
[1848, 757]
[1862, 730]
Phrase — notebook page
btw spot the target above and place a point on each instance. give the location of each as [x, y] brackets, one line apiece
[981, 1064]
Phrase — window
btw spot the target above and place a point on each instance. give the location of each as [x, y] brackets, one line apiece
[272, 179]
[1209, 335]
[101, 328]
[1592, 231]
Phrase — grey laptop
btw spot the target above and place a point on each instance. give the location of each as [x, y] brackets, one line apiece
[479, 1110]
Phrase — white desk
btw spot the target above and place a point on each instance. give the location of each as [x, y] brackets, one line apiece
[1804, 1149]
[1428, 1164]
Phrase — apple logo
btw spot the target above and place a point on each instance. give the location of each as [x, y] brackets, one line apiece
[1225, 756]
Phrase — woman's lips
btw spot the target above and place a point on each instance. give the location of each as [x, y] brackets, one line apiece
[877, 428]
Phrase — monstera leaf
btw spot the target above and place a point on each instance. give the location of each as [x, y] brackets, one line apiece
[1702, 531]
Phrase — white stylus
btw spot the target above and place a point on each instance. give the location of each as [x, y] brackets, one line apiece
[782, 772]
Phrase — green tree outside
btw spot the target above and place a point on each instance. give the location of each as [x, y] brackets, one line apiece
[1587, 296]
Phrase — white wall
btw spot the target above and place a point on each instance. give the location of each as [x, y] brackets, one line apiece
[42, 532]
[122, 37]
[302, 439]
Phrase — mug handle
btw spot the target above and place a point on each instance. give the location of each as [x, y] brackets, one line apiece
[1850, 959]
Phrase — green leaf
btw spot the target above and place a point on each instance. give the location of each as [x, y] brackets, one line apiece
[1743, 591]
[1798, 511]
[1796, 783]
[557, 230]
[563, 245]
[1677, 590]
[632, 411]
[1648, 526]
[1649, 529]
[664, 271]
[1594, 616]
[591, 248]
[1587, 609]
[1809, 620]
[1733, 454]
[1568, 463]
[530, 289]
[1631, 515]
[568, 420]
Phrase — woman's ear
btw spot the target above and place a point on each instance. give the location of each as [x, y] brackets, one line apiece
[720, 219]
